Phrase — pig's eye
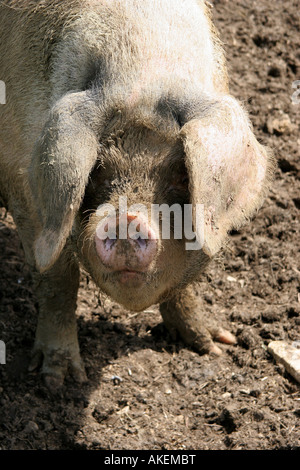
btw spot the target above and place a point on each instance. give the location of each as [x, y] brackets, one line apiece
[185, 180]
[106, 184]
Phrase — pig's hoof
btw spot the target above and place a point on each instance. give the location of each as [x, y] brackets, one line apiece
[220, 335]
[203, 339]
[56, 365]
[223, 336]
[199, 337]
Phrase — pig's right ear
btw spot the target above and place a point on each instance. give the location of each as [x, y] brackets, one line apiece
[62, 160]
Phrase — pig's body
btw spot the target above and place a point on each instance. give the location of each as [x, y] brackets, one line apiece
[119, 98]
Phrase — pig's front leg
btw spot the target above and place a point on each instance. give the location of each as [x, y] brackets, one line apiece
[181, 315]
[56, 344]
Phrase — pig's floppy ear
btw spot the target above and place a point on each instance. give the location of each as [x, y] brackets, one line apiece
[228, 169]
[63, 157]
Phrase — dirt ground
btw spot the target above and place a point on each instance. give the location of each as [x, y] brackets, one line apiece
[145, 391]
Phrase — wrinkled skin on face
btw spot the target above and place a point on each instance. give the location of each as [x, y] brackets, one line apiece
[152, 172]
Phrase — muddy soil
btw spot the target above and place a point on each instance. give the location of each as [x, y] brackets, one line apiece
[145, 391]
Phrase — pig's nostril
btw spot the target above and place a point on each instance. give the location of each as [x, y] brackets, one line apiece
[109, 243]
[142, 243]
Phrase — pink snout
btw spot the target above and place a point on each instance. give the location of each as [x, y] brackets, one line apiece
[126, 243]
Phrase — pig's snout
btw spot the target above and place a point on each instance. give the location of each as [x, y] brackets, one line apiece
[126, 243]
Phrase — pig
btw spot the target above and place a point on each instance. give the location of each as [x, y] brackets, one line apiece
[114, 99]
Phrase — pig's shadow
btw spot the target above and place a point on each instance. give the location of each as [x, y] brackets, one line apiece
[107, 340]
[102, 340]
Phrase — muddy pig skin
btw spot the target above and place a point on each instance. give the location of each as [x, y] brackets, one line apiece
[114, 100]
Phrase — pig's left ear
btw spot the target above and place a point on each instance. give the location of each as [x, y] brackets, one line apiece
[62, 160]
[229, 171]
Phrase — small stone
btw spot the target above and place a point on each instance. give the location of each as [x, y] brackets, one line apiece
[281, 125]
[167, 389]
[287, 355]
[116, 379]
[31, 427]
[245, 391]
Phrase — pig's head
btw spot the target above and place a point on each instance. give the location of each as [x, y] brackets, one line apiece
[98, 176]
